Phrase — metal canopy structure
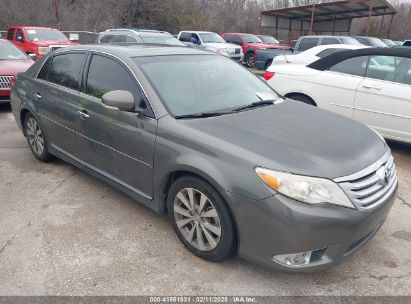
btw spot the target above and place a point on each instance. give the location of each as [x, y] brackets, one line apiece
[332, 17]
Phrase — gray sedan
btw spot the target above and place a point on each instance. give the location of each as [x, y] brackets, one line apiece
[239, 169]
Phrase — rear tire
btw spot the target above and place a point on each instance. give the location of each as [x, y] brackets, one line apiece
[201, 219]
[303, 99]
[249, 60]
[36, 139]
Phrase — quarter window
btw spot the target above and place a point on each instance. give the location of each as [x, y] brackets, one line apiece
[355, 66]
[307, 43]
[44, 72]
[65, 70]
[390, 68]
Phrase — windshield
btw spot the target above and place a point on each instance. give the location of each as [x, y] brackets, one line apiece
[251, 39]
[376, 42]
[211, 38]
[269, 40]
[191, 84]
[161, 39]
[9, 52]
[349, 40]
[45, 35]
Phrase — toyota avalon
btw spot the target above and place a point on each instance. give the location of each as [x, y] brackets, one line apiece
[239, 169]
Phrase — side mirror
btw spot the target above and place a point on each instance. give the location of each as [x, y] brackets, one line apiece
[121, 100]
[19, 39]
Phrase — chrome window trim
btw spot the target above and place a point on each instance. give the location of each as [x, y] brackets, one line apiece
[105, 53]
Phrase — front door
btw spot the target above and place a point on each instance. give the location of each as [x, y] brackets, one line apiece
[118, 145]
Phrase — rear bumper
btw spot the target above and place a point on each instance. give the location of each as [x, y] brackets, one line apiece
[279, 225]
[4, 96]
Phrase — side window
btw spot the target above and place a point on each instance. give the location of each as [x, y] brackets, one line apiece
[44, 72]
[355, 66]
[362, 40]
[65, 69]
[106, 39]
[307, 43]
[100, 82]
[10, 34]
[185, 37]
[407, 43]
[327, 41]
[131, 39]
[20, 36]
[390, 68]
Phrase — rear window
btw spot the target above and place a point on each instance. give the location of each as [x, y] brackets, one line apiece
[327, 52]
[185, 37]
[10, 34]
[307, 43]
[327, 41]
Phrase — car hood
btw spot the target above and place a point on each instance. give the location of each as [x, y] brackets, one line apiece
[261, 46]
[51, 42]
[12, 67]
[294, 137]
[222, 45]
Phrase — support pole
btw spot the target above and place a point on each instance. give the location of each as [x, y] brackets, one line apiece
[312, 19]
[56, 11]
[276, 27]
[369, 20]
[335, 20]
[289, 31]
[389, 29]
[382, 22]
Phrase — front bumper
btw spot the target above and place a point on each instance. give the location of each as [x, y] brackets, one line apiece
[279, 225]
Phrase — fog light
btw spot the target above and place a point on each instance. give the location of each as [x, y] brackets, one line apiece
[293, 259]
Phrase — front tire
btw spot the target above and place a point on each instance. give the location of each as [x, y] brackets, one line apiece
[201, 219]
[36, 139]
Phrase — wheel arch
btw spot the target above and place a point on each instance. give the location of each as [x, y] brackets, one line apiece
[177, 173]
[292, 94]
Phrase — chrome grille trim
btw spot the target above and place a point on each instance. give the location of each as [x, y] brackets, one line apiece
[366, 188]
[5, 82]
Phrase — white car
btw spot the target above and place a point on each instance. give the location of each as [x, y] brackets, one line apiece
[372, 86]
[315, 53]
[213, 42]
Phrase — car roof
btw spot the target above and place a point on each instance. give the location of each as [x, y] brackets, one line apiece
[324, 36]
[136, 50]
[200, 32]
[327, 62]
[33, 27]
[240, 34]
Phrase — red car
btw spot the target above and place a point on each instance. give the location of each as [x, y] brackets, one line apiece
[37, 40]
[12, 61]
[250, 43]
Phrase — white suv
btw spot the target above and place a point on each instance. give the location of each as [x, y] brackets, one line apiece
[213, 42]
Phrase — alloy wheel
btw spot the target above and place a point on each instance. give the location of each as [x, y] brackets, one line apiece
[35, 136]
[197, 219]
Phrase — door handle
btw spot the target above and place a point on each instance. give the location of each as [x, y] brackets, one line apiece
[37, 95]
[366, 86]
[83, 114]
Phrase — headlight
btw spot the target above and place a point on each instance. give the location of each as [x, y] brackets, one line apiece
[310, 190]
[221, 51]
[43, 50]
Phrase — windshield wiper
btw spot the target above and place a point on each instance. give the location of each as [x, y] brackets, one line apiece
[201, 115]
[255, 104]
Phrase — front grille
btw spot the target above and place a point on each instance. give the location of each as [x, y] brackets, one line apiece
[5, 82]
[237, 51]
[373, 185]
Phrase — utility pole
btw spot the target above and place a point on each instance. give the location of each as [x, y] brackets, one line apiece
[56, 11]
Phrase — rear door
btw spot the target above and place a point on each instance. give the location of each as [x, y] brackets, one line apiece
[118, 145]
[58, 99]
[383, 99]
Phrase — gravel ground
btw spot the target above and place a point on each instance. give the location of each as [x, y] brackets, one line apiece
[63, 232]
